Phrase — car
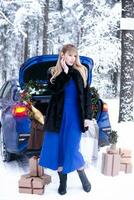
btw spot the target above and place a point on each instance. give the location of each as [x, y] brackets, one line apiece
[14, 119]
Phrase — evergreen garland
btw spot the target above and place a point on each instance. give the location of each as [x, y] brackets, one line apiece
[32, 88]
[94, 101]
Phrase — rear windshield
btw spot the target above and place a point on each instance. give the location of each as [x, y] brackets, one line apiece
[38, 72]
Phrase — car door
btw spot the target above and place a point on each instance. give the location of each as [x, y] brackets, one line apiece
[7, 121]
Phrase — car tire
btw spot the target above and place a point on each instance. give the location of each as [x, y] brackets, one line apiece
[5, 155]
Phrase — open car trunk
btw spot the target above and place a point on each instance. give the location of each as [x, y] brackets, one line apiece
[35, 69]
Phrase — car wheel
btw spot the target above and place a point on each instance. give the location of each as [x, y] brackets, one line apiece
[5, 155]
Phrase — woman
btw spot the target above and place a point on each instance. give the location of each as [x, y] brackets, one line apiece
[68, 115]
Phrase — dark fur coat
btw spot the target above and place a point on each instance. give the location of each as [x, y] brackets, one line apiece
[55, 107]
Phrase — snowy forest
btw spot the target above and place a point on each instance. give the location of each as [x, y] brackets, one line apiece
[35, 27]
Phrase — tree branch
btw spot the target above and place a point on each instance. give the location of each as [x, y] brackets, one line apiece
[4, 16]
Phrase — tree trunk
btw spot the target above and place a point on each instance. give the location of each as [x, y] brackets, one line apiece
[60, 5]
[4, 68]
[45, 28]
[26, 48]
[38, 37]
[127, 67]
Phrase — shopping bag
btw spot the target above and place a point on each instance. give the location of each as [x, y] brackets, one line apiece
[89, 143]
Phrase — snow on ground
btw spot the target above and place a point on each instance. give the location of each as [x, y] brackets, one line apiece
[103, 187]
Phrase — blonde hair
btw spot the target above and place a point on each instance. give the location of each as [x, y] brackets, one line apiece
[56, 70]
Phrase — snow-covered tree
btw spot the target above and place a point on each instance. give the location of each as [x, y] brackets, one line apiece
[100, 41]
[90, 25]
[126, 112]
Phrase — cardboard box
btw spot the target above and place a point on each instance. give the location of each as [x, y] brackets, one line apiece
[25, 190]
[40, 170]
[125, 152]
[129, 168]
[33, 165]
[112, 151]
[126, 167]
[25, 181]
[122, 167]
[38, 191]
[35, 169]
[31, 185]
[110, 164]
[47, 179]
[125, 160]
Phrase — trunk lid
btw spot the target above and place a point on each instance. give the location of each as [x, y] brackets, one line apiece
[35, 68]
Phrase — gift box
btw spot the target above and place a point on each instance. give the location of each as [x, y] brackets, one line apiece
[40, 170]
[110, 164]
[125, 152]
[125, 160]
[35, 169]
[125, 156]
[46, 178]
[32, 185]
[112, 151]
[126, 167]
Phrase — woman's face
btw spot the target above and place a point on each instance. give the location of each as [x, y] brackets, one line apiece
[70, 57]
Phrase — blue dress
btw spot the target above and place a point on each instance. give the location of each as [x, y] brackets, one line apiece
[62, 149]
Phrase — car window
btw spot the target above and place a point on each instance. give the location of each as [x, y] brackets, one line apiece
[7, 91]
[2, 89]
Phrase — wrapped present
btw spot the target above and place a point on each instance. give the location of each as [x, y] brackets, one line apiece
[35, 169]
[125, 156]
[125, 152]
[40, 170]
[46, 178]
[126, 167]
[33, 165]
[112, 151]
[110, 164]
[31, 185]
[35, 181]
[125, 160]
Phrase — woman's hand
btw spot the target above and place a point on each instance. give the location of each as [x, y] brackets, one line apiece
[64, 66]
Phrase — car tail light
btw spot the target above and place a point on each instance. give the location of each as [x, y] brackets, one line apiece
[105, 107]
[19, 111]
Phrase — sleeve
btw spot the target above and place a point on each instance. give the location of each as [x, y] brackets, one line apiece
[58, 83]
[88, 103]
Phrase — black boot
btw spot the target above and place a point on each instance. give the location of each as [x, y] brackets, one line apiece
[63, 183]
[85, 182]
